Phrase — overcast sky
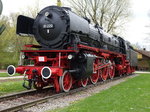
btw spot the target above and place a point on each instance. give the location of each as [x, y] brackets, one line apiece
[135, 30]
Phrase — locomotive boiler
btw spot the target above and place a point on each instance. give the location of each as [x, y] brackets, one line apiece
[72, 51]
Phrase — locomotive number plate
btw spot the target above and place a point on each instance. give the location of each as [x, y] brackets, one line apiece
[48, 26]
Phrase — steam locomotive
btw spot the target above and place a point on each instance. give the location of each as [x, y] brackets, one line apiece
[72, 51]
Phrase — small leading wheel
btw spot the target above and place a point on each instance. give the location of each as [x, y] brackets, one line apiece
[104, 74]
[65, 81]
[112, 71]
[84, 82]
[94, 77]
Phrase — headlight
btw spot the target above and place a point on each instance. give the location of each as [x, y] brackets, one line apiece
[70, 56]
[23, 56]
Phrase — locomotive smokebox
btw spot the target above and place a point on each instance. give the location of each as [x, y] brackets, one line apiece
[49, 27]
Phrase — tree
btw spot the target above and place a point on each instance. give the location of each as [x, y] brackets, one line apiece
[137, 46]
[32, 11]
[10, 43]
[109, 14]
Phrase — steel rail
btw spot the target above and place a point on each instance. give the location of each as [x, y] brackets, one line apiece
[55, 96]
[20, 94]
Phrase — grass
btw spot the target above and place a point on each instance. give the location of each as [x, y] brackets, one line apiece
[10, 87]
[6, 75]
[130, 96]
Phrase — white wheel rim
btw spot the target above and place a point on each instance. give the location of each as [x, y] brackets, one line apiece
[92, 79]
[61, 83]
[84, 85]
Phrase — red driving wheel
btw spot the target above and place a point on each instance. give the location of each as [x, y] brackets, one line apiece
[84, 82]
[105, 73]
[95, 76]
[65, 81]
[112, 71]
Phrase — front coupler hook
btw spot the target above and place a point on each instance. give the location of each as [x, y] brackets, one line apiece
[29, 86]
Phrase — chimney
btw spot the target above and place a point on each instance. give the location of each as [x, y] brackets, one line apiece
[144, 49]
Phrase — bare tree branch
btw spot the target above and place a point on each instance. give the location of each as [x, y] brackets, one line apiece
[110, 14]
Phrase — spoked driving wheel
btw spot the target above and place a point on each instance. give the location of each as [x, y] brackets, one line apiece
[65, 81]
[105, 73]
[95, 76]
[84, 82]
[111, 71]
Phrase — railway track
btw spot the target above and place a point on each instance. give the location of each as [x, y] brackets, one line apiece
[23, 100]
[21, 94]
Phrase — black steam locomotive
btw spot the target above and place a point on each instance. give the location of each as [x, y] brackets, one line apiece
[70, 45]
